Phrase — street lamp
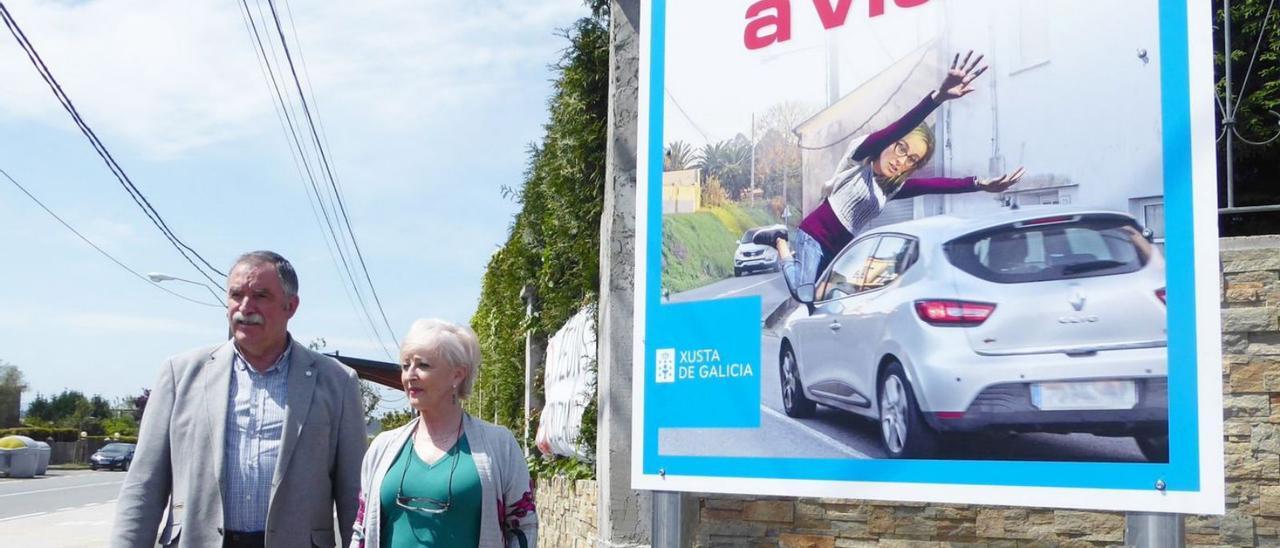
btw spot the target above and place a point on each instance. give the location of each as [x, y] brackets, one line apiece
[158, 277]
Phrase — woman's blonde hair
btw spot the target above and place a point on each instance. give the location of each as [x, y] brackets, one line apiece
[449, 342]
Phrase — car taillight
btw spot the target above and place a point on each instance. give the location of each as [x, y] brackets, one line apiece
[1160, 294]
[954, 313]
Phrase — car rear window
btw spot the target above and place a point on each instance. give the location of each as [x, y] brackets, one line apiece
[1052, 249]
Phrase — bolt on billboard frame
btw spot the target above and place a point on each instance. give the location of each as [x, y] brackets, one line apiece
[1190, 482]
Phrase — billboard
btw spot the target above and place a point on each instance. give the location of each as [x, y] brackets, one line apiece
[942, 251]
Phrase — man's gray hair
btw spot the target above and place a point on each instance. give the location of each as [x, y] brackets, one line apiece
[288, 276]
[449, 342]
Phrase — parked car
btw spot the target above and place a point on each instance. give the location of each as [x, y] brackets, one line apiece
[751, 257]
[1049, 320]
[113, 456]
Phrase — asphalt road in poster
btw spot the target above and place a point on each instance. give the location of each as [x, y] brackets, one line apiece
[837, 434]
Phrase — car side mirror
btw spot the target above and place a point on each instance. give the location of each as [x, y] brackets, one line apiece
[805, 294]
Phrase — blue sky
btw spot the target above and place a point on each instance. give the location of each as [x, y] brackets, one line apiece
[427, 107]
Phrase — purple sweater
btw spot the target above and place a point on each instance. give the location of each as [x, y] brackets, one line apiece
[823, 224]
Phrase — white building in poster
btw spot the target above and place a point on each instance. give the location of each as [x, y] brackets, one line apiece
[1073, 96]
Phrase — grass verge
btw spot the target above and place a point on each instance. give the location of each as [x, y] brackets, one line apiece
[697, 248]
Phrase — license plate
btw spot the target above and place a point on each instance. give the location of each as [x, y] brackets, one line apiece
[1054, 396]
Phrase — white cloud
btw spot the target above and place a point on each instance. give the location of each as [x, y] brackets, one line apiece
[169, 77]
[133, 324]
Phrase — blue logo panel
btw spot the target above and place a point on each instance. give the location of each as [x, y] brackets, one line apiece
[704, 366]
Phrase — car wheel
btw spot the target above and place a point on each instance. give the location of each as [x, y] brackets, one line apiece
[125, 466]
[794, 402]
[903, 430]
[1155, 447]
[737, 273]
[93, 467]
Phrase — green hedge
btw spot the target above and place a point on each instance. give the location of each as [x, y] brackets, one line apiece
[121, 439]
[554, 243]
[42, 434]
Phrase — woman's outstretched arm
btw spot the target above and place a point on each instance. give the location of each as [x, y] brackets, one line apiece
[957, 83]
[949, 185]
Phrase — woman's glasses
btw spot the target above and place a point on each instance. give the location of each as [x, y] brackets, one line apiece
[901, 150]
[428, 506]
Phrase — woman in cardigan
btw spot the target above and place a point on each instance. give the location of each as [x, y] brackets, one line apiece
[875, 169]
[446, 478]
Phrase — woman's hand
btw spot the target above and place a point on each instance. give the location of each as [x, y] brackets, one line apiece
[1001, 183]
[959, 78]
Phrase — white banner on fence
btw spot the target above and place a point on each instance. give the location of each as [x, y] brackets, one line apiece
[569, 384]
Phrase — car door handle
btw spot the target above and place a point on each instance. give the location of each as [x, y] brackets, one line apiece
[835, 326]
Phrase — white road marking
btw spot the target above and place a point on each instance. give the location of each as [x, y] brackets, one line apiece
[741, 289]
[61, 488]
[835, 444]
[23, 516]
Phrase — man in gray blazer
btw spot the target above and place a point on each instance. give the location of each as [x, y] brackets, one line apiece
[251, 442]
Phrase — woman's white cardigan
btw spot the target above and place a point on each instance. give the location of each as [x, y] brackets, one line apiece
[508, 518]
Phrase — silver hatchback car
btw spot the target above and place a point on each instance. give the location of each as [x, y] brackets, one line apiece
[1035, 321]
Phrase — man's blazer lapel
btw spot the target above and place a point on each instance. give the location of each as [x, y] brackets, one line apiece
[217, 379]
[302, 386]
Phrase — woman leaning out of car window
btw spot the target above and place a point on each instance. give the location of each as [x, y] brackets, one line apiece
[876, 169]
[446, 478]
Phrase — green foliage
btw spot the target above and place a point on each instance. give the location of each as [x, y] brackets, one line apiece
[43, 434]
[697, 248]
[70, 409]
[1256, 89]
[554, 244]
[113, 439]
[124, 425]
[395, 419]
[678, 156]
[11, 377]
[729, 161]
[573, 469]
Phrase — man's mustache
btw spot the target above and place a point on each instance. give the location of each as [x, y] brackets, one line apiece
[251, 319]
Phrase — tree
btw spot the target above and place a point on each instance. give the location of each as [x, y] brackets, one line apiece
[12, 385]
[679, 155]
[140, 405]
[730, 162]
[70, 409]
[395, 419]
[1256, 89]
[554, 240]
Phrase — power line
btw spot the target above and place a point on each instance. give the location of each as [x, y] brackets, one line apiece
[99, 249]
[152, 214]
[299, 152]
[328, 169]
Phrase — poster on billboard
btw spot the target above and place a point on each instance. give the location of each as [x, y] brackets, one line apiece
[929, 250]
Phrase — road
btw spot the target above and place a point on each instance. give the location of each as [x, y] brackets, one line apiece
[837, 434]
[66, 508]
[769, 286]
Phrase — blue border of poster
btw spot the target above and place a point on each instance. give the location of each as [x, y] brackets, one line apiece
[675, 325]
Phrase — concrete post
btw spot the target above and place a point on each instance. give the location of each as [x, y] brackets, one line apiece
[623, 514]
[532, 368]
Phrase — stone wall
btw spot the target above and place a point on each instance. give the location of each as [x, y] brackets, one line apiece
[566, 513]
[1251, 379]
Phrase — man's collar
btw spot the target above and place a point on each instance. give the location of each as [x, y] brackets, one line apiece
[281, 363]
